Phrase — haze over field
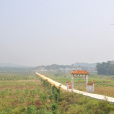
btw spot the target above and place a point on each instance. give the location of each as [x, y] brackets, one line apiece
[42, 32]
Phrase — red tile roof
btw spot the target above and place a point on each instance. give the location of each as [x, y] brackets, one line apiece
[80, 72]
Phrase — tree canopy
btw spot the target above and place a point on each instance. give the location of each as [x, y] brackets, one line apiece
[105, 68]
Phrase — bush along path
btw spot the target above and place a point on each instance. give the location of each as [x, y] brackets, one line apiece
[52, 95]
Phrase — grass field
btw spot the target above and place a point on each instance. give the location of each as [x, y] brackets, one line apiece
[26, 93]
[21, 92]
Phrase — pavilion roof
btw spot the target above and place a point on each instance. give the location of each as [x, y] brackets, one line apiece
[80, 72]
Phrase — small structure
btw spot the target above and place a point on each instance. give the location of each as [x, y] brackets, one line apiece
[69, 86]
[82, 73]
[90, 87]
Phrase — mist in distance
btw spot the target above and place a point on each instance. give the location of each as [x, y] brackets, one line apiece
[34, 33]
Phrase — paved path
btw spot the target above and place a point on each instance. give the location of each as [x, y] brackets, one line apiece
[95, 96]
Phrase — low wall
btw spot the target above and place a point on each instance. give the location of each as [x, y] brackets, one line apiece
[90, 88]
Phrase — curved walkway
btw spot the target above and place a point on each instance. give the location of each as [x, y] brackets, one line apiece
[63, 87]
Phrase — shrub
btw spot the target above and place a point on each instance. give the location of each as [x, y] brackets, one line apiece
[31, 109]
[54, 108]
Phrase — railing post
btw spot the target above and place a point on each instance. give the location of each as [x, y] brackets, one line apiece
[93, 87]
[67, 87]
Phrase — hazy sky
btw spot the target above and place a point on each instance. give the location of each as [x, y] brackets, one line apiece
[42, 32]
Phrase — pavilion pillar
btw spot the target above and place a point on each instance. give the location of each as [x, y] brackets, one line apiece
[86, 79]
[93, 87]
[86, 82]
[72, 81]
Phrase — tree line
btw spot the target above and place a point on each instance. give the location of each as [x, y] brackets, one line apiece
[105, 68]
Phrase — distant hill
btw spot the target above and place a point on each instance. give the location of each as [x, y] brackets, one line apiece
[10, 65]
[88, 65]
[76, 66]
